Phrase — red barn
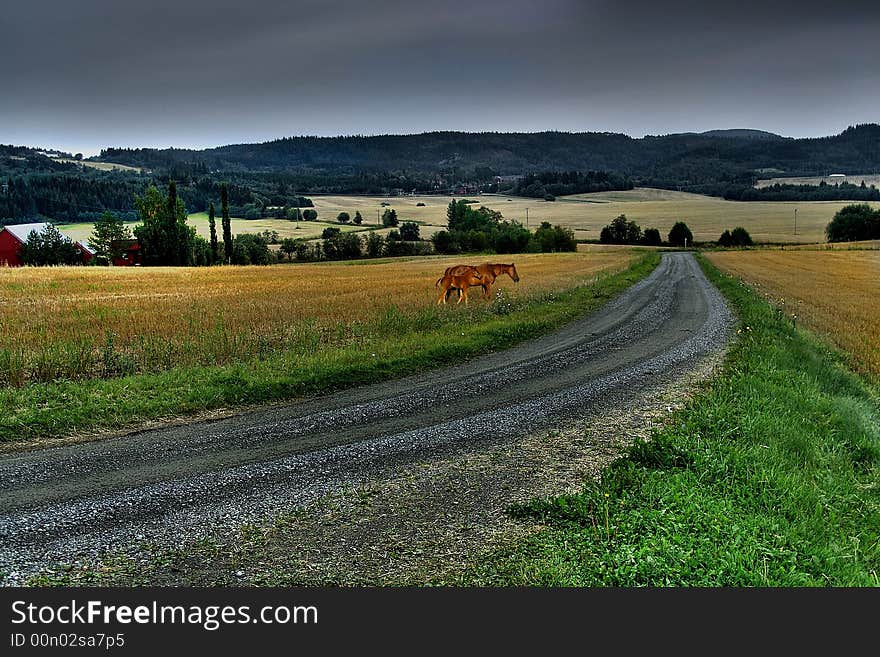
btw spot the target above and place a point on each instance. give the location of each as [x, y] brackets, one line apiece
[11, 240]
[131, 253]
[86, 252]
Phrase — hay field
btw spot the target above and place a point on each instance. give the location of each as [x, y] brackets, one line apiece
[101, 166]
[71, 323]
[586, 214]
[852, 179]
[307, 229]
[836, 293]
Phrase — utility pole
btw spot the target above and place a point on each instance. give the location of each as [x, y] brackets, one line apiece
[527, 217]
[377, 216]
[795, 221]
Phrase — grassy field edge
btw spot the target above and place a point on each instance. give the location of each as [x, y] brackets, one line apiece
[38, 412]
[769, 477]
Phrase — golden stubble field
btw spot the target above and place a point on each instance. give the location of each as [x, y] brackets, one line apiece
[852, 179]
[586, 214]
[75, 322]
[836, 293]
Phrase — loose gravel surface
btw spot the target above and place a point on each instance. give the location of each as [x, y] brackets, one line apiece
[203, 480]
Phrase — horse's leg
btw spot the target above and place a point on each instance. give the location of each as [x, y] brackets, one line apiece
[444, 293]
[462, 294]
[487, 292]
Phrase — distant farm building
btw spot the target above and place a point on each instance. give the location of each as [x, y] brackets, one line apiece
[86, 252]
[12, 238]
[131, 253]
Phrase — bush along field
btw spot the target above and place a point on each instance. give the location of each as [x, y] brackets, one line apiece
[770, 477]
[119, 352]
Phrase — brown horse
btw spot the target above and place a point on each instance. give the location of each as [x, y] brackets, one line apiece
[461, 281]
[489, 271]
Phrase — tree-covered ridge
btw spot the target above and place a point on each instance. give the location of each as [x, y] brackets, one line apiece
[34, 186]
[682, 158]
[264, 178]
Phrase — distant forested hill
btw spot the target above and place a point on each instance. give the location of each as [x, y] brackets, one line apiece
[675, 160]
[276, 174]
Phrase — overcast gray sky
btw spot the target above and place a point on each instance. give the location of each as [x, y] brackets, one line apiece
[84, 74]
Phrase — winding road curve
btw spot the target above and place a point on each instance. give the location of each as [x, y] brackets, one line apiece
[169, 484]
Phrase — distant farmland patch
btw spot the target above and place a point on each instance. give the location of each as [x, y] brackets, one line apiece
[103, 166]
[853, 179]
[585, 214]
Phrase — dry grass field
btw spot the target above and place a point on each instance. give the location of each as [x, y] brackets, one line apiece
[71, 323]
[852, 179]
[586, 214]
[307, 229]
[101, 166]
[836, 293]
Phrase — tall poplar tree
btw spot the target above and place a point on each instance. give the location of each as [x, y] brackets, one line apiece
[215, 247]
[227, 227]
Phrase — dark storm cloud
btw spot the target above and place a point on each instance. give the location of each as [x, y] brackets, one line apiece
[97, 72]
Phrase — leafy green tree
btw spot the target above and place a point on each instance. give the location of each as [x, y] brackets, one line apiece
[212, 224]
[164, 236]
[294, 214]
[455, 214]
[358, 219]
[303, 250]
[288, 246]
[445, 241]
[202, 254]
[651, 237]
[621, 231]
[409, 231]
[330, 232]
[681, 235]
[310, 215]
[741, 237]
[549, 239]
[375, 245]
[251, 249]
[349, 245]
[108, 233]
[726, 239]
[389, 218]
[228, 245]
[49, 247]
[510, 237]
[855, 222]
[343, 217]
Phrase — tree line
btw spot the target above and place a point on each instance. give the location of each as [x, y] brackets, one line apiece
[484, 229]
[712, 161]
[549, 184]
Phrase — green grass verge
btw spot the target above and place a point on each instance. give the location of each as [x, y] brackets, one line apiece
[769, 477]
[408, 344]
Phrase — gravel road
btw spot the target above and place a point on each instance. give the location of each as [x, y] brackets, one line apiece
[172, 484]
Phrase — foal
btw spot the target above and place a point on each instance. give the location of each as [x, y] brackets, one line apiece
[461, 281]
[489, 271]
